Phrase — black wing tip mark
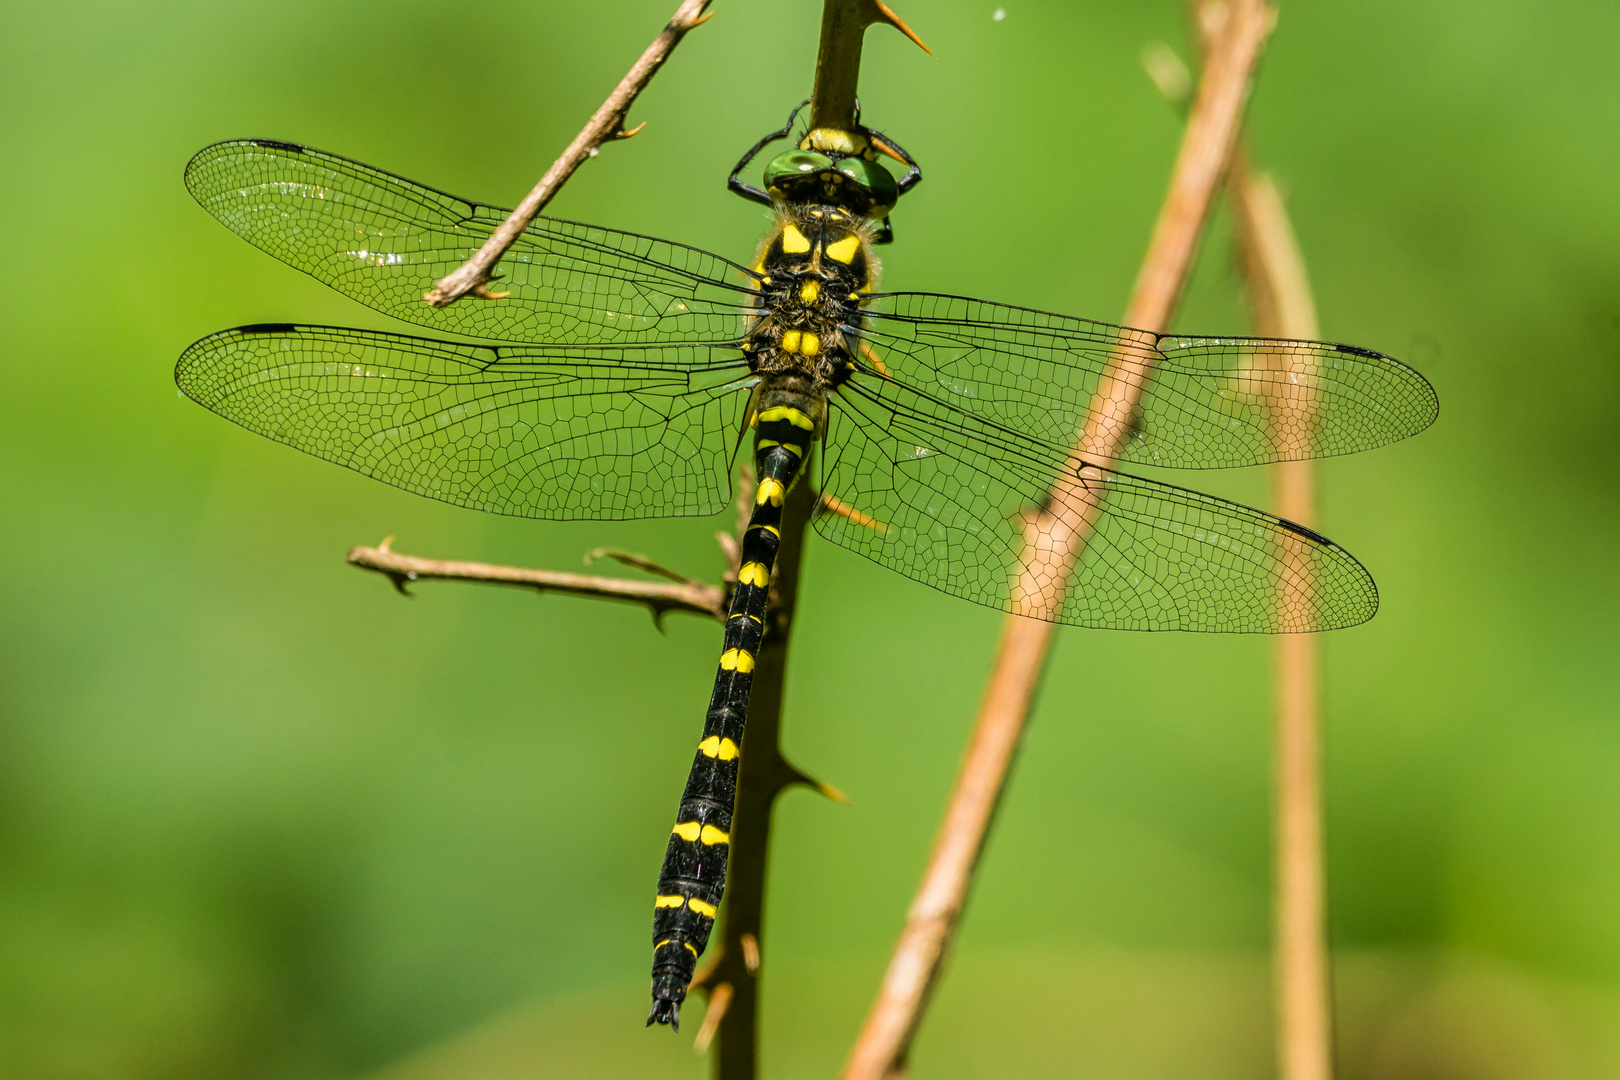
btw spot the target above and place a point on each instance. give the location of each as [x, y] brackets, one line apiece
[473, 206]
[265, 328]
[1309, 534]
[1357, 350]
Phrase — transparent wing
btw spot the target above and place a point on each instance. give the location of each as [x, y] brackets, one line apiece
[529, 430]
[952, 494]
[1205, 402]
[384, 241]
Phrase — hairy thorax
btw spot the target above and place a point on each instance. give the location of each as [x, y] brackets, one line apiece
[814, 269]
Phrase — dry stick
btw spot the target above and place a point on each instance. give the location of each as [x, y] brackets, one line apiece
[1280, 299]
[474, 275]
[1280, 294]
[696, 597]
[1212, 129]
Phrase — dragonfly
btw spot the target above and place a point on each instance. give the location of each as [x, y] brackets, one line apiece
[617, 376]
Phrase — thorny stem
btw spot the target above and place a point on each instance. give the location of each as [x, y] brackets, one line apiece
[838, 61]
[605, 125]
[891, 1025]
[1280, 295]
[731, 977]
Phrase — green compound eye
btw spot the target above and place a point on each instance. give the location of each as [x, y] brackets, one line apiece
[795, 166]
[875, 180]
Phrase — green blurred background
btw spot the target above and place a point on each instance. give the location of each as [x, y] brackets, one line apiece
[261, 817]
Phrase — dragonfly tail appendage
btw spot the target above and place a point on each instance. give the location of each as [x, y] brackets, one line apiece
[693, 876]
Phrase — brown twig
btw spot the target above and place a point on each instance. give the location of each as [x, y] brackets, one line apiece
[1211, 132]
[606, 124]
[696, 597]
[1280, 295]
[1280, 300]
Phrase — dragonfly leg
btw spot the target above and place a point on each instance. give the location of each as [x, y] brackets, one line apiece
[736, 184]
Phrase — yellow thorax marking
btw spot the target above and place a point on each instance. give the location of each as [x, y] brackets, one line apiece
[844, 250]
[713, 836]
[770, 491]
[687, 830]
[668, 901]
[790, 414]
[809, 291]
[753, 573]
[716, 747]
[706, 910]
[737, 660]
[809, 344]
[794, 242]
[790, 340]
[690, 946]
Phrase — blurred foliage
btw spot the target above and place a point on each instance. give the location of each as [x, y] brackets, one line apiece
[261, 817]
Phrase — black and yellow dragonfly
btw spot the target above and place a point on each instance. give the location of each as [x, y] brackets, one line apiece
[618, 375]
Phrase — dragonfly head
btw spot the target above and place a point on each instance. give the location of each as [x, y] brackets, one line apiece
[833, 167]
[828, 175]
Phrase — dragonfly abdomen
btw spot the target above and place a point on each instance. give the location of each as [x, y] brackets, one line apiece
[693, 877]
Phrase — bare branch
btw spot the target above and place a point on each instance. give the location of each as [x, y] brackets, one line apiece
[919, 955]
[1280, 294]
[719, 1000]
[691, 596]
[607, 124]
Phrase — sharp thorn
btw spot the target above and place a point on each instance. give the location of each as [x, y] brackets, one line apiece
[882, 13]
[835, 794]
[719, 1000]
[797, 776]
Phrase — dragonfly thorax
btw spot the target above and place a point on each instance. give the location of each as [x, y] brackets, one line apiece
[814, 270]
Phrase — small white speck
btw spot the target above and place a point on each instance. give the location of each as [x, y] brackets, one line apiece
[999, 14]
